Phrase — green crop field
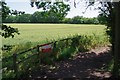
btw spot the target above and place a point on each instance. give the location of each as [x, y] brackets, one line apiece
[40, 33]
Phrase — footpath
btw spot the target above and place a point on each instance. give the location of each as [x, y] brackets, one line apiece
[90, 64]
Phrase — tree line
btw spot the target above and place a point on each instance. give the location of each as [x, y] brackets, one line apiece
[51, 17]
[55, 13]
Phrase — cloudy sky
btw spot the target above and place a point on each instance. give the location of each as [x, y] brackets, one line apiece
[24, 5]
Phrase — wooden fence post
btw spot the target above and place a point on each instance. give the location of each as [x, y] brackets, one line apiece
[54, 46]
[38, 52]
[66, 44]
[15, 65]
[38, 49]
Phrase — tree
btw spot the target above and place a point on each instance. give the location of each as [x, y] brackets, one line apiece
[112, 14]
[7, 31]
[52, 17]
[77, 20]
[58, 9]
[9, 19]
[38, 17]
[116, 68]
[102, 19]
[23, 18]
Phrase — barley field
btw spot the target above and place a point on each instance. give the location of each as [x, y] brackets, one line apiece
[41, 33]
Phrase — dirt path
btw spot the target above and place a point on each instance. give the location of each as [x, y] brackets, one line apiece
[84, 65]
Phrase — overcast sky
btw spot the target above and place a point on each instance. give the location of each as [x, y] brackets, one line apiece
[24, 5]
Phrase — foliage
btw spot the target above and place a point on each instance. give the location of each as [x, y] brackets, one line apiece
[16, 48]
[24, 18]
[38, 17]
[55, 14]
[8, 71]
[52, 17]
[60, 9]
[102, 19]
[7, 31]
[83, 20]
[5, 10]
